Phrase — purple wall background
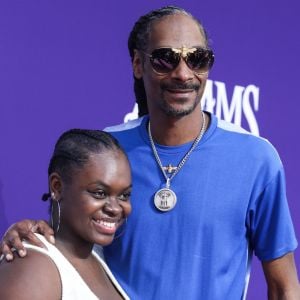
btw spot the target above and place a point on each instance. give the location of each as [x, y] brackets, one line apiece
[64, 64]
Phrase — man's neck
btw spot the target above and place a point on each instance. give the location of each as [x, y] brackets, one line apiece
[171, 131]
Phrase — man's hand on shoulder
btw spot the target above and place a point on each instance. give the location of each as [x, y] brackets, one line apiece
[24, 230]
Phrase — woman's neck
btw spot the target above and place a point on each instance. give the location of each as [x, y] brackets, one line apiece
[73, 247]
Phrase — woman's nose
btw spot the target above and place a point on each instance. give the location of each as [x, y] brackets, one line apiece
[112, 206]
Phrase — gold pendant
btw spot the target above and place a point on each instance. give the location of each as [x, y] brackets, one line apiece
[170, 169]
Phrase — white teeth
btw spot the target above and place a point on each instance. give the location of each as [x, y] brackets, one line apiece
[107, 224]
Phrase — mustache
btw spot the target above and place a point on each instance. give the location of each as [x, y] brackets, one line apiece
[180, 86]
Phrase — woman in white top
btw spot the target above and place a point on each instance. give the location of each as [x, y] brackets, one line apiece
[89, 191]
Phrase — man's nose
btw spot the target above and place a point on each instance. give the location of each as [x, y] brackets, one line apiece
[182, 72]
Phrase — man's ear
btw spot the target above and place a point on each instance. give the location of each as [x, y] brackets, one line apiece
[56, 185]
[137, 64]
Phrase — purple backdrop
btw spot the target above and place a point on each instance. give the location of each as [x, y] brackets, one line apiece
[65, 64]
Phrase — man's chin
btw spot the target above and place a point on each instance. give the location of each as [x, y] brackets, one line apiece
[178, 110]
[173, 112]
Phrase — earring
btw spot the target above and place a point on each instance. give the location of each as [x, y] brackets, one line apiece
[53, 196]
[58, 207]
[58, 214]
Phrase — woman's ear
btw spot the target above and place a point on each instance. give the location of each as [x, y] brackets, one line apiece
[137, 64]
[55, 184]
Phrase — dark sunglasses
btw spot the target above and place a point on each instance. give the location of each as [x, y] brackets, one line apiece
[166, 60]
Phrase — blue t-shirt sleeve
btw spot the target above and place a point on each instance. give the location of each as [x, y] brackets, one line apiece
[271, 229]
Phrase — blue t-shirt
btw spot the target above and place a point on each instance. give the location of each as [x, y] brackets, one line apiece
[231, 201]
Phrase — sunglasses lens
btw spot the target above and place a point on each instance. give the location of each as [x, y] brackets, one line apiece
[164, 60]
[200, 60]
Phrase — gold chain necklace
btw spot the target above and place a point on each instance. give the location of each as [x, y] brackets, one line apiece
[165, 198]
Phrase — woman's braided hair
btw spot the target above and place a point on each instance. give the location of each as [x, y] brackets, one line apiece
[73, 149]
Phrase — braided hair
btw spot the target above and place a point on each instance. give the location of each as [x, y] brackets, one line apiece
[73, 149]
[138, 39]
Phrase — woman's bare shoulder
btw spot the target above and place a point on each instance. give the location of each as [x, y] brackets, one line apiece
[32, 277]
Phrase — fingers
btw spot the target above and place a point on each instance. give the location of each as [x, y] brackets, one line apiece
[5, 250]
[28, 233]
[11, 240]
[24, 230]
[43, 228]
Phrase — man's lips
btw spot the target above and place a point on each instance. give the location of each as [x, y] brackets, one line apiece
[180, 88]
[180, 91]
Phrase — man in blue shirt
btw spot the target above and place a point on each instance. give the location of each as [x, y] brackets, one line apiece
[206, 194]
